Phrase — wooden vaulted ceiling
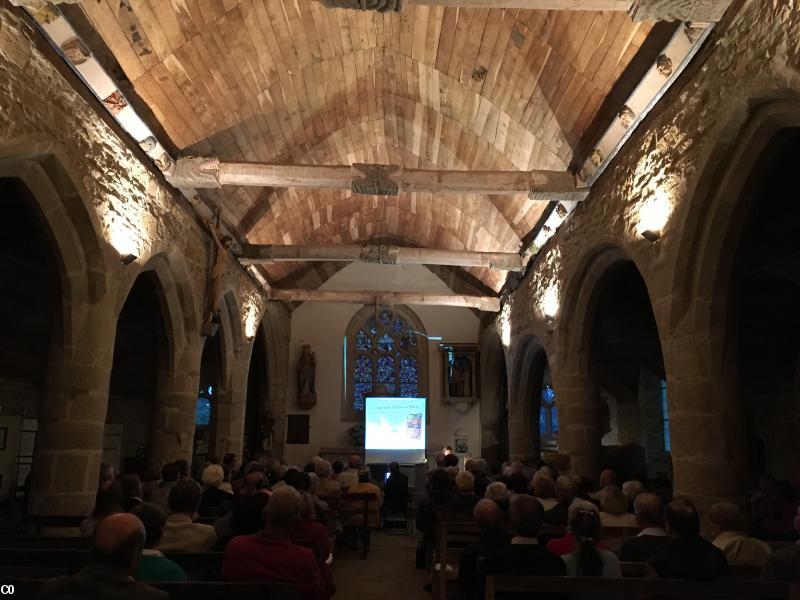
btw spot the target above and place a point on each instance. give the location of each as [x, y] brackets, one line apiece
[431, 87]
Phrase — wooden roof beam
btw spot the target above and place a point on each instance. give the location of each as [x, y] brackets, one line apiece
[380, 254]
[368, 297]
[374, 180]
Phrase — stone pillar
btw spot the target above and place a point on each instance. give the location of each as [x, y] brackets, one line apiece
[706, 422]
[521, 440]
[579, 422]
[231, 405]
[175, 405]
[72, 416]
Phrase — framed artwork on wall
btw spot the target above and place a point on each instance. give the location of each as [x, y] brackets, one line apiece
[298, 429]
[461, 373]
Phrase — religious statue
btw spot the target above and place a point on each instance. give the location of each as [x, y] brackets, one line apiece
[306, 376]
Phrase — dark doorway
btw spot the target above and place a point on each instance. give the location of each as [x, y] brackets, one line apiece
[259, 426]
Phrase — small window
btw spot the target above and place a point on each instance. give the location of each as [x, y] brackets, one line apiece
[665, 416]
[548, 417]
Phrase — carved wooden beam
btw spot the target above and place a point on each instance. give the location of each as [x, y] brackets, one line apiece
[376, 180]
[381, 254]
[485, 303]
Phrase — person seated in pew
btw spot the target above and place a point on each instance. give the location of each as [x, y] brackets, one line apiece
[567, 543]
[464, 500]
[181, 533]
[154, 566]
[784, 564]
[543, 490]
[439, 495]
[114, 556]
[310, 534]
[585, 489]
[649, 511]
[524, 556]
[213, 497]
[727, 526]
[365, 486]
[493, 536]
[614, 509]
[107, 502]
[688, 555]
[131, 491]
[631, 489]
[588, 559]
[245, 518]
[497, 491]
[565, 490]
[327, 487]
[151, 480]
[396, 490]
[349, 476]
[608, 477]
[270, 555]
[169, 479]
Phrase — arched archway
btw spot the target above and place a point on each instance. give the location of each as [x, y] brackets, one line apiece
[259, 427]
[212, 376]
[532, 430]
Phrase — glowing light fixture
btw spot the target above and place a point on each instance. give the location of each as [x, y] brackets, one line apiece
[505, 325]
[550, 302]
[654, 215]
[250, 321]
[433, 338]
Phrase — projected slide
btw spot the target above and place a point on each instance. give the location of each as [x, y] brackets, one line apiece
[395, 429]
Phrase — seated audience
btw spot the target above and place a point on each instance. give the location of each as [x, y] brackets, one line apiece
[587, 559]
[226, 486]
[565, 490]
[310, 534]
[489, 519]
[349, 476]
[727, 526]
[151, 480]
[524, 556]
[650, 517]
[113, 557]
[607, 478]
[439, 495]
[106, 476]
[327, 487]
[154, 566]
[778, 511]
[270, 555]
[245, 517]
[784, 564]
[450, 460]
[499, 494]
[396, 490]
[131, 491]
[107, 502]
[543, 490]
[181, 533]
[184, 469]
[614, 508]
[169, 478]
[213, 497]
[688, 555]
[585, 487]
[464, 500]
[480, 471]
[631, 489]
[565, 545]
[337, 467]
[365, 486]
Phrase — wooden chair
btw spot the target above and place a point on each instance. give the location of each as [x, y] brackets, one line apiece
[454, 532]
[355, 512]
[591, 587]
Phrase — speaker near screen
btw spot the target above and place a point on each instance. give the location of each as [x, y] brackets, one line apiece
[395, 430]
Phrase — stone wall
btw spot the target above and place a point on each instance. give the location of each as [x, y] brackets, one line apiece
[99, 202]
[689, 160]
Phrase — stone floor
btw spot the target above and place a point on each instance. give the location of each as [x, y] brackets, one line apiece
[387, 573]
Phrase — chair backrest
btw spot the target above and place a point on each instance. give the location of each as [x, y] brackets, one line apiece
[635, 587]
[354, 509]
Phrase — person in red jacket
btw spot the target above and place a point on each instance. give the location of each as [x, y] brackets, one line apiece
[269, 555]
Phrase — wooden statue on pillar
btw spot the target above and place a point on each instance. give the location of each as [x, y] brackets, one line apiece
[306, 376]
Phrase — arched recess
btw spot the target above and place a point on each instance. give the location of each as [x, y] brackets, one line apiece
[386, 354]
[259, 422]
[212, 378]
[494, 413]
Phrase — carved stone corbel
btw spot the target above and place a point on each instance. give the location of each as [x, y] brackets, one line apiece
[376, 180]
[195, 172]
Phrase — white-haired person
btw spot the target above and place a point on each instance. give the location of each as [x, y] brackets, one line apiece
[213, 496]
[631, 489]
[614, 509]
[568, 543]
[464, 500]
[497, 492]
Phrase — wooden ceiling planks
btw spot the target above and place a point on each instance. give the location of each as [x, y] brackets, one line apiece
[431, 87]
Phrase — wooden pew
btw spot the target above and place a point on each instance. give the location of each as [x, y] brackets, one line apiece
[591, 587]
[191, 590]
[41, 522]
[43, 542]
[454, 532]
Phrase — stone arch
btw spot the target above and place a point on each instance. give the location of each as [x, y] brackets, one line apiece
[529, 360]
[494, 412]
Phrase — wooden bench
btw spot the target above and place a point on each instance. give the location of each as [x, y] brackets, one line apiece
[41, 522]
[43, 542]
[191, 590]
[496, 586]
[454, 532]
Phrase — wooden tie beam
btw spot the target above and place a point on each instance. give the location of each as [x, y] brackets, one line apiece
[485, 303]
[379, 253]
[374, 180]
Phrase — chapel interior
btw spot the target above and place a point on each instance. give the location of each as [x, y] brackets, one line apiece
[567, 230]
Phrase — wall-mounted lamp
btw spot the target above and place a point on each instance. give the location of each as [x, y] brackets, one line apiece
[651, 235]
[654, 215]
[127, 259]
[433, 338]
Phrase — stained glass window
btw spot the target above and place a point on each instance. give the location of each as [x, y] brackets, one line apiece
[383, 360]
[203, 414]
[665, 416]
[548, 417]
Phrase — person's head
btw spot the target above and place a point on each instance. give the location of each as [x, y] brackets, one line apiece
[613, 501]
[254, 466]
[526, 514]
[184, 498]
[439, 460]
[337, 466]
[487, 515]
[364, 475]
[323, 469]
[447, 450]
[450, 460]
[649, 510]
[283, 509]
[608, 477]
[131, 486]
[302, 481]
[229, 459]
[631, 489]
[394, 467]
[310, 467]
[497, 491]
[106, 473]
[725, 516]
[584, 485]
[307, 510]
[479, 467]
[542, 486]
[183, 468]
[440, 480]
[682, 518]
[212, 476]
[354, 461]
[517, 483]
[256, 479]
[118, 541]
[153, 518]
[465, 482]
[565, 489]
[290, 475]
[170, 472]
[248, 511]
[226, 474]
[585, 526]
[580, 505]
[108, 500]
